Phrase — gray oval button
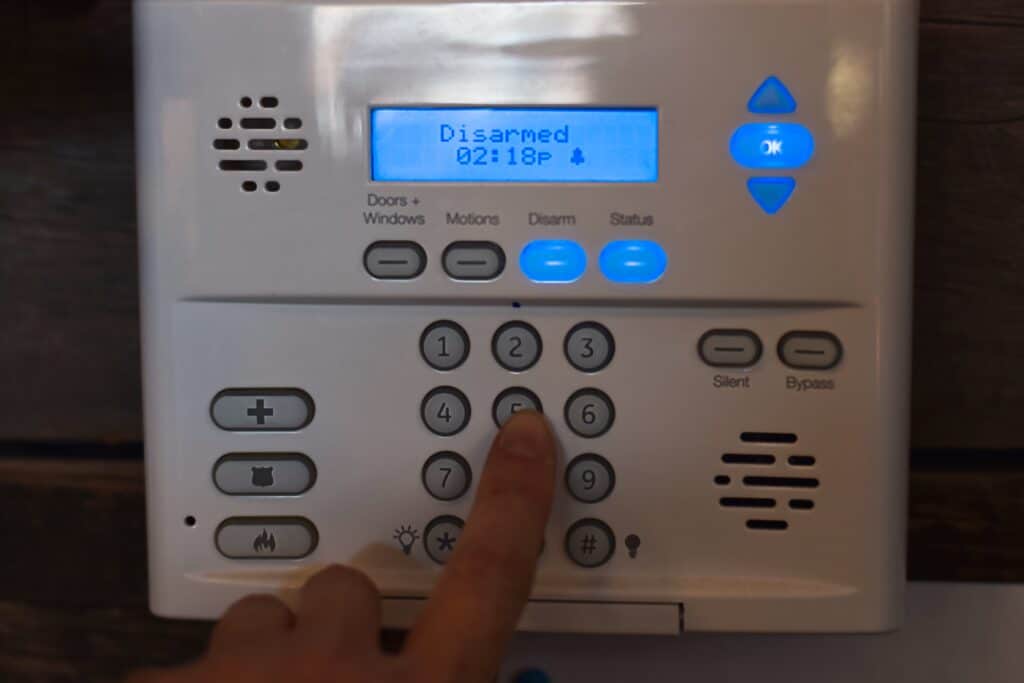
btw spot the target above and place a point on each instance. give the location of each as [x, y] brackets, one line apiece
[264, 474]
[511, 401]
[729, 348]
[516, 346]
[445, 411]
[266, 538]
[590, 478]
[473, 260]
[589, 346]
[395, 260]
[589, 413]
[810, 350]
[446, 475]
[248, 410]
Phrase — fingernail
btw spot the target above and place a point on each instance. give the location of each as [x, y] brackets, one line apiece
[525, 435]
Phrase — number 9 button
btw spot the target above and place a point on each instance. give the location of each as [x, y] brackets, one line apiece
[589, 478]
[446, 475]
[589, 347]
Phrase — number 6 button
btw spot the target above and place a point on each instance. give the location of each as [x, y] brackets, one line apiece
[445, 411]
[589, 412]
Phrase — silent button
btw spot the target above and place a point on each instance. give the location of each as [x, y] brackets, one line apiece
[729, 348]
[810, 350]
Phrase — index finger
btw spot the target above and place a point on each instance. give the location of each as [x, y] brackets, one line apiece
[462, 632]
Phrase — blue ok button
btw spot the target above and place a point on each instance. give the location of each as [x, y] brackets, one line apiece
[633, 262]
[553, 261]
[772, 145]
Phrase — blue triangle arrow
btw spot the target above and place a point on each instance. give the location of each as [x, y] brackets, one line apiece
[772, 97]
[771, 194]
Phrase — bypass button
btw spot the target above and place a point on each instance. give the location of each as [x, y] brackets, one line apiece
[810, 350]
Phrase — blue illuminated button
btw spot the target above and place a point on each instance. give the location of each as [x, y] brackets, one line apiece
[637, 262]
[553, 261]
[772, 97]
[772, 145]
[771, 194]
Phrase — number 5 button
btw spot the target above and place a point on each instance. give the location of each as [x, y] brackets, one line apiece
[445, 411]
[589, 412]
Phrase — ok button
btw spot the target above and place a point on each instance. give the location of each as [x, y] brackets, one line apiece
[251, 410]
[772, 145]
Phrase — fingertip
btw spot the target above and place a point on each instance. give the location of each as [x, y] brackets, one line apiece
[527, 434]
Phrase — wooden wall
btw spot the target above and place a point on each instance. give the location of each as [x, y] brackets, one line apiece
[72, 573]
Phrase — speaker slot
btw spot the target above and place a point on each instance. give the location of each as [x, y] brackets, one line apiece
[768, 437]
[292, 123]
[782, 482]
[748, 459]
[258, 123]
[802, 460]
[288, 165]
[278, 144]
[722, 480]
[243, 165]
[801, 504]
[767, 524]
[226, 143]
[268, 102]
[747, 502]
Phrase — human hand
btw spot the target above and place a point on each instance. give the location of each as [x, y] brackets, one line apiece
[460, 637]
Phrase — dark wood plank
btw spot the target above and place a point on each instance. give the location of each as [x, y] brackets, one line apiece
[67, 225]
[73, 579]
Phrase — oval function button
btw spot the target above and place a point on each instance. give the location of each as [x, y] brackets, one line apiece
[254, 410]
[266, 538]
[553, 261]
[590, 543]
[511, 401]
[446, 475]
[444, 345]
[473, 260]
[264, 474]
[772, 145]
[394, 260]
[729, 348]
[589, 478]
[635, 262]
[810, 350]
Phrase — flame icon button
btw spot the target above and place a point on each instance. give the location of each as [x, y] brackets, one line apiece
[266, 538]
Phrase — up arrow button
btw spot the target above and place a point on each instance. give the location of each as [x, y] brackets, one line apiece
[772, 97]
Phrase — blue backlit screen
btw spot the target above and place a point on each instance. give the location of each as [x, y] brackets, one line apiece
[513, 145]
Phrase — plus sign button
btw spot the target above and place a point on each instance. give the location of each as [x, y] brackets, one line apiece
[590, 543]
[246, 410]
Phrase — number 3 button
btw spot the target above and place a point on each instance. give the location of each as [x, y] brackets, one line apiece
[445, 411]
[446, 475]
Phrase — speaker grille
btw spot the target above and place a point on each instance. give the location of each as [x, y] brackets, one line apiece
[774, 490]
[266, 157]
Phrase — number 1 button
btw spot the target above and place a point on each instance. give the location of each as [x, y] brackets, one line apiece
[445, 411]
[444, 345]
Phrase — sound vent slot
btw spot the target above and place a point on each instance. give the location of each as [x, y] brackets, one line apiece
[802, 460]
[747, 502]
[288, 165]
[278, 144]
[243, 165]
[767, 524]
[767, 437]
[258, 123]
[268, 102]
[292, 123]
[224, 143]
[722, 480]
[782, 482]
[748, 459]
[801, 504]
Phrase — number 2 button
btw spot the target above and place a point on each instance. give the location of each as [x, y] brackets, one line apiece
[516, 346]
[445, 411]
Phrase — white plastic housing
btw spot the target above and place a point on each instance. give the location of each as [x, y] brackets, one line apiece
[268, 289]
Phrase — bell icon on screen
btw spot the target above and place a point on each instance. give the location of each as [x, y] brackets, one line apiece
[577, 156]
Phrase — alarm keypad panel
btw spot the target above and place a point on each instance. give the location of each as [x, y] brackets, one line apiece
[680, 229]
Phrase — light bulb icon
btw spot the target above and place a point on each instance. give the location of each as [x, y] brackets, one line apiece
[632, 544]
[406, 536]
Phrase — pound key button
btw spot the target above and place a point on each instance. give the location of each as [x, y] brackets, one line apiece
[590, 543]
